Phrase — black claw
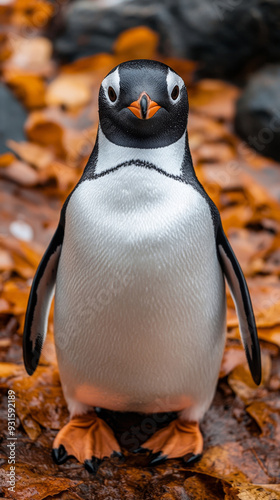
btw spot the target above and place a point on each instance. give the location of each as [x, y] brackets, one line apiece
[140, 450]
[119, 455]
[59, 455]
[190, 458]
[157, 458]
[92, 465]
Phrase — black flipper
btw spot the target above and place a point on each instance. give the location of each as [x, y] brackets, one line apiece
[36, 319]
[241, 297]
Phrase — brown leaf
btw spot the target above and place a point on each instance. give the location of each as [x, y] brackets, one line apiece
[267, 416]
[5, 307]
[40, 397]
[215, 98]
[6, 261]
[32, 153]
[230, 463]
[33, 13]
[30, 89]
[30, 54]
[233, 356]
[35, 484]
[8, 370]
[215, 152]
[270, 335]
[44, 129]
[252, 492]
[241, 382]
[6, 159]
[21, 173]
[17, 296]
[71, 91]
[136, 43]
[199, 487]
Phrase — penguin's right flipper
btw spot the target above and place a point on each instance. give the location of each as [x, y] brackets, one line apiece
[241, 297]
[36, 319]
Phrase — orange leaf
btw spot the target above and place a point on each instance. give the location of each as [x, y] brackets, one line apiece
[34, 483]
[136, 43]
[46, 131]
[29, 88]
[21, 173]
[71, 91]
[6, 159]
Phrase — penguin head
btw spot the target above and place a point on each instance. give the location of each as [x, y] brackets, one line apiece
[143, 104]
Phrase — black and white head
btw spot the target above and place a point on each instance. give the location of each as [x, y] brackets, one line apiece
[143, 104]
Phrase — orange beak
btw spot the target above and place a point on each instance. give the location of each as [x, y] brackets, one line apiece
[144, 108]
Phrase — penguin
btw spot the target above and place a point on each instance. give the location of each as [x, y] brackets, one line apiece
[138, 263]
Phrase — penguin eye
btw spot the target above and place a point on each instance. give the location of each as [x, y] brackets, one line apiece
[175, 93]
[112, 94]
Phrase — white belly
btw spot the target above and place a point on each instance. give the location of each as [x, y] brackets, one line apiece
[140, 301]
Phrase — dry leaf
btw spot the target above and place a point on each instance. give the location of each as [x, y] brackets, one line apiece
[71, 91]
[21, 173]
[136, 43]
[267, 416]
[30, 89]
[252, 492]
[32, 153]
[45, 131]
[35, 484]
[241, 382]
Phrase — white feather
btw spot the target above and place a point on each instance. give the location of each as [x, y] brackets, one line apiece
[140, 300]
[169, 158]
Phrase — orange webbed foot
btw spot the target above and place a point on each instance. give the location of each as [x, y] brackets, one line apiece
[87, 438]
[178, 439]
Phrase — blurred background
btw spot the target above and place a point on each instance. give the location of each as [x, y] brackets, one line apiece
[53, 56]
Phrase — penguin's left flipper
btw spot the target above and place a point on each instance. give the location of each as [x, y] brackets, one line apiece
[241, 297]
[36, 319]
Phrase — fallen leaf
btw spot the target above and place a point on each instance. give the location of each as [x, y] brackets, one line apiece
[30, 89]
[241, 382]
[200, 487]
[267, 416]
[6, 159]
[6, 261]
[71, 91]
[216, 99]
[136, 43]
[233, 357]
[230, 463]
[21, 173]
[40, 397]
[35, 484]
[30, 54]
[16, 295]
[252, 492]
[32, 153]
[270, 335]
[33, 13]
[45, 131]
[9, 370]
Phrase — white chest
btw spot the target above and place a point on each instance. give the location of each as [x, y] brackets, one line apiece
[140, 293]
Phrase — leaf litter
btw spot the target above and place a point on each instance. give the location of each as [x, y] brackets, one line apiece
[242, 428]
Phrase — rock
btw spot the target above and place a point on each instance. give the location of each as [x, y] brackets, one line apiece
[13, 116]
[257, 118]
[228, 37]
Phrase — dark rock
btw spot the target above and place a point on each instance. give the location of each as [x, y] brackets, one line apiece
[257, 118]
[228, 37]
[12, 118]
